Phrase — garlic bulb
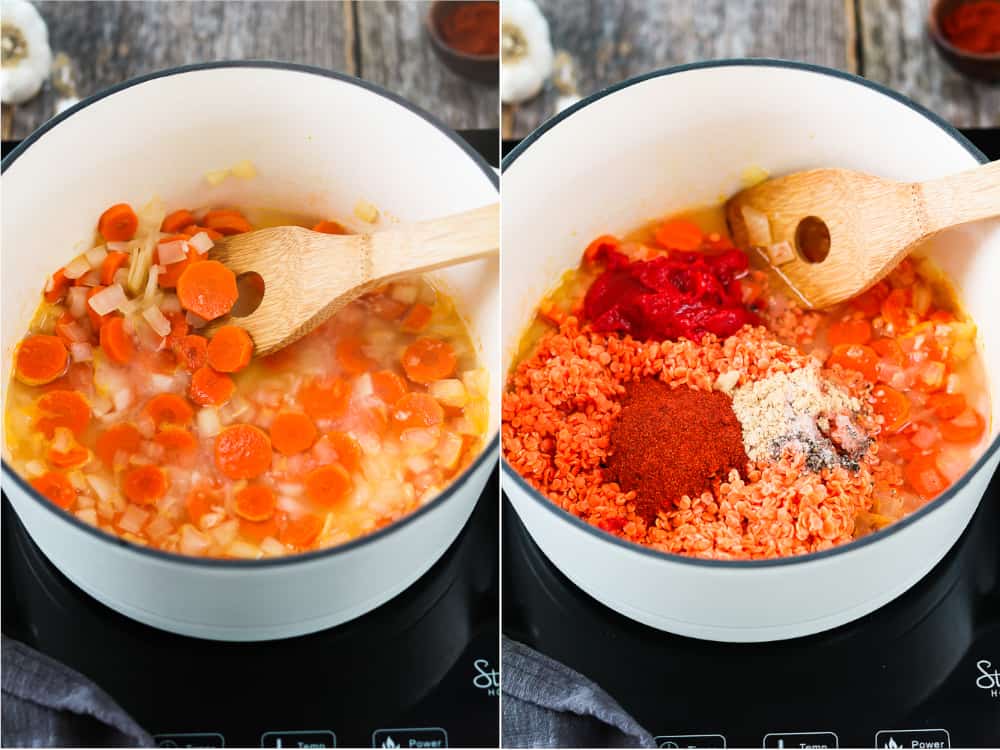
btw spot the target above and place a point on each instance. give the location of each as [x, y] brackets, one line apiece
[526, 51]
[26, 54]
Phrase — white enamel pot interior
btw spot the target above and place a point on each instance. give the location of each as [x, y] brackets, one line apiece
[680, 138]
[320, 142]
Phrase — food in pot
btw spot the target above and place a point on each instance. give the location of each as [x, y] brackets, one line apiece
[671, 394]
[126, 413]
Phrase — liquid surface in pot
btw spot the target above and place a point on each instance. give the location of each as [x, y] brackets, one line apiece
[121, 413]
[670, 393]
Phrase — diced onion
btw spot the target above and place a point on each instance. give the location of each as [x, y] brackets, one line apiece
[161, 383]
[291, 488]
[157, 320]
[271, 547]
[291, 505]
[121, 276]
[81, 351]
[121, 399]
[87, 515]
[100, 404]
[34, 469]
[76, 299]
[419, 440]
[96, 255]
[91, 278]
[758, 226]
[477, 382]
[449, 392]
[418, 464]
[76, 268]
[170, 304]
[108, 300]
[118, 247]
[75, 332]
[449, 450]
[102, 487]
[159, 527]
[363, 387]
[192, 541]
[243, 550]
[133, 519]
[194, 321]
[405, 293]
[201, 243]
[225, 533]
[78, 480]
[171, 252]
[208, 422]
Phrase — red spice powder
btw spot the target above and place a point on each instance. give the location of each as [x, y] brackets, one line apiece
[974, 26]
[670, 442]
[472, 27]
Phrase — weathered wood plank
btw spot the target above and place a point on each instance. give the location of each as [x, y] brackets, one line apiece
[396, 53]
[611, 41]
[896, 51]
[108, 42]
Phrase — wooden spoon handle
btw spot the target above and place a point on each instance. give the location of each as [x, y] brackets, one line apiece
[963, 197]
[427, 245]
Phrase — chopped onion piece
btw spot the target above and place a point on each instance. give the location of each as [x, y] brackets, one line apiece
[102, 487]
[449, 392]
[192, 541]
[419, 440]
[159, 527]
[194, 321]
[157, 320]
[477, 382]
[95, 256]
[243, 550]
[76, 268]
[133, 519]
[271, 547]
[34, 469]
[449, 450]
[118, 247]
[208, 422]
[405, 293]
[75, 332]
[171, 252]
[201, 243]
[91, 278]
[81, 351]
[108, 300]
[122, 399]
[76, 299]
[161, 383]
[758, 226]
[100, 404]
[121, 276]
[87, 515]
[170, 304]
[225, 533]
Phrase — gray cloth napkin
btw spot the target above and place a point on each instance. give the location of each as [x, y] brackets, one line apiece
[547, 704]
[46, 704]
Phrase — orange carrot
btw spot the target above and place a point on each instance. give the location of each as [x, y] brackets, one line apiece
[895, 310]
[388, 386]
[352, 360]
[176, 221]
[417, 410]
[870, 302]
[56, 487]
[208, 289]
[850, 332]
[123, 438]
[210, 388]
[96, 321]
[172, 271]
[177, 442]
[257, 531]
[679, 234]
[924, 477]
[193, 229]
[325, 398]
[947, 405]
[230, 349]
[200, 501]
[600, 246]
[192, 352]
[331, 227]
[119, 223]
[226, 222]
[347, 449]
[889, 349]
[301, 532]
[855, 357]
[892, 405]
[254, 503]
[144, 485]
[65, 452]
[178, 328]
[110, 265]
[428, 359]
[292, 432]
[40, 359]
[62, 409]
[116, 341]
[328, 485]
[967, 427]
[416, 319]
[59, 286]
[168, 409]
[242, 451]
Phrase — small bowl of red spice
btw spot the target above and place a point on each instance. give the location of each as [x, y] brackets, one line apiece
[967, 34]
[465, 34]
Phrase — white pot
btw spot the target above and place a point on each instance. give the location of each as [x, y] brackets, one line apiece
[682, 137]
[320, 142]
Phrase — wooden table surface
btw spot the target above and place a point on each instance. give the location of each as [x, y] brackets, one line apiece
[884, 40]
[384, 42]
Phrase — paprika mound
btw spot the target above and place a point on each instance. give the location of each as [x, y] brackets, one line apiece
[669, 442]
[974, 26]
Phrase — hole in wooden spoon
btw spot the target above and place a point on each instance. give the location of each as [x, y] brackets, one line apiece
[812, 239]
[250, 286]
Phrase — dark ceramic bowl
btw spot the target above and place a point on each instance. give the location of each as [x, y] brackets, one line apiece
[482, 68]
[983, 67]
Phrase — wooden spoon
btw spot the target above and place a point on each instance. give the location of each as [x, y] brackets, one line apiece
[308, 276]
[832, 233]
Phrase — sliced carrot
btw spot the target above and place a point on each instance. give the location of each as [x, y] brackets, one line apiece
[176, 221]
[192, 352]
[331, 227]
[119, 223]
[242, 451]
[168, 409]
[892, 405]
[65, 452]
[428, 359]
[56, 487]
[96, 321]
[144, 485]
[301, 532]
[889, 349]
[254, 503]
[895, 310]
[967, 427]
[116, 341]
[40, 359]
[177, 442]
[924, 477]
[870, 302]
[850, 332]
[947, 405]
[210, 388]
[416, 319]
[64, 326]
[855, 357]
[942, 316]
[679, 234]
[328, 485]
[325, 398]
[113, 261]
[171, 272]
[347, 449]
[388, 386]
[386, 308]
[193, 229]
[179, 328]
[123, 437]
[292, 432]
[416, 410]
[59, 286]
[226, 222]
[200, 501]
[257, 531]
[230, 349]
[929, 375]
[350, 357]
[598, 249]
[208, 289]
[62, 409]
